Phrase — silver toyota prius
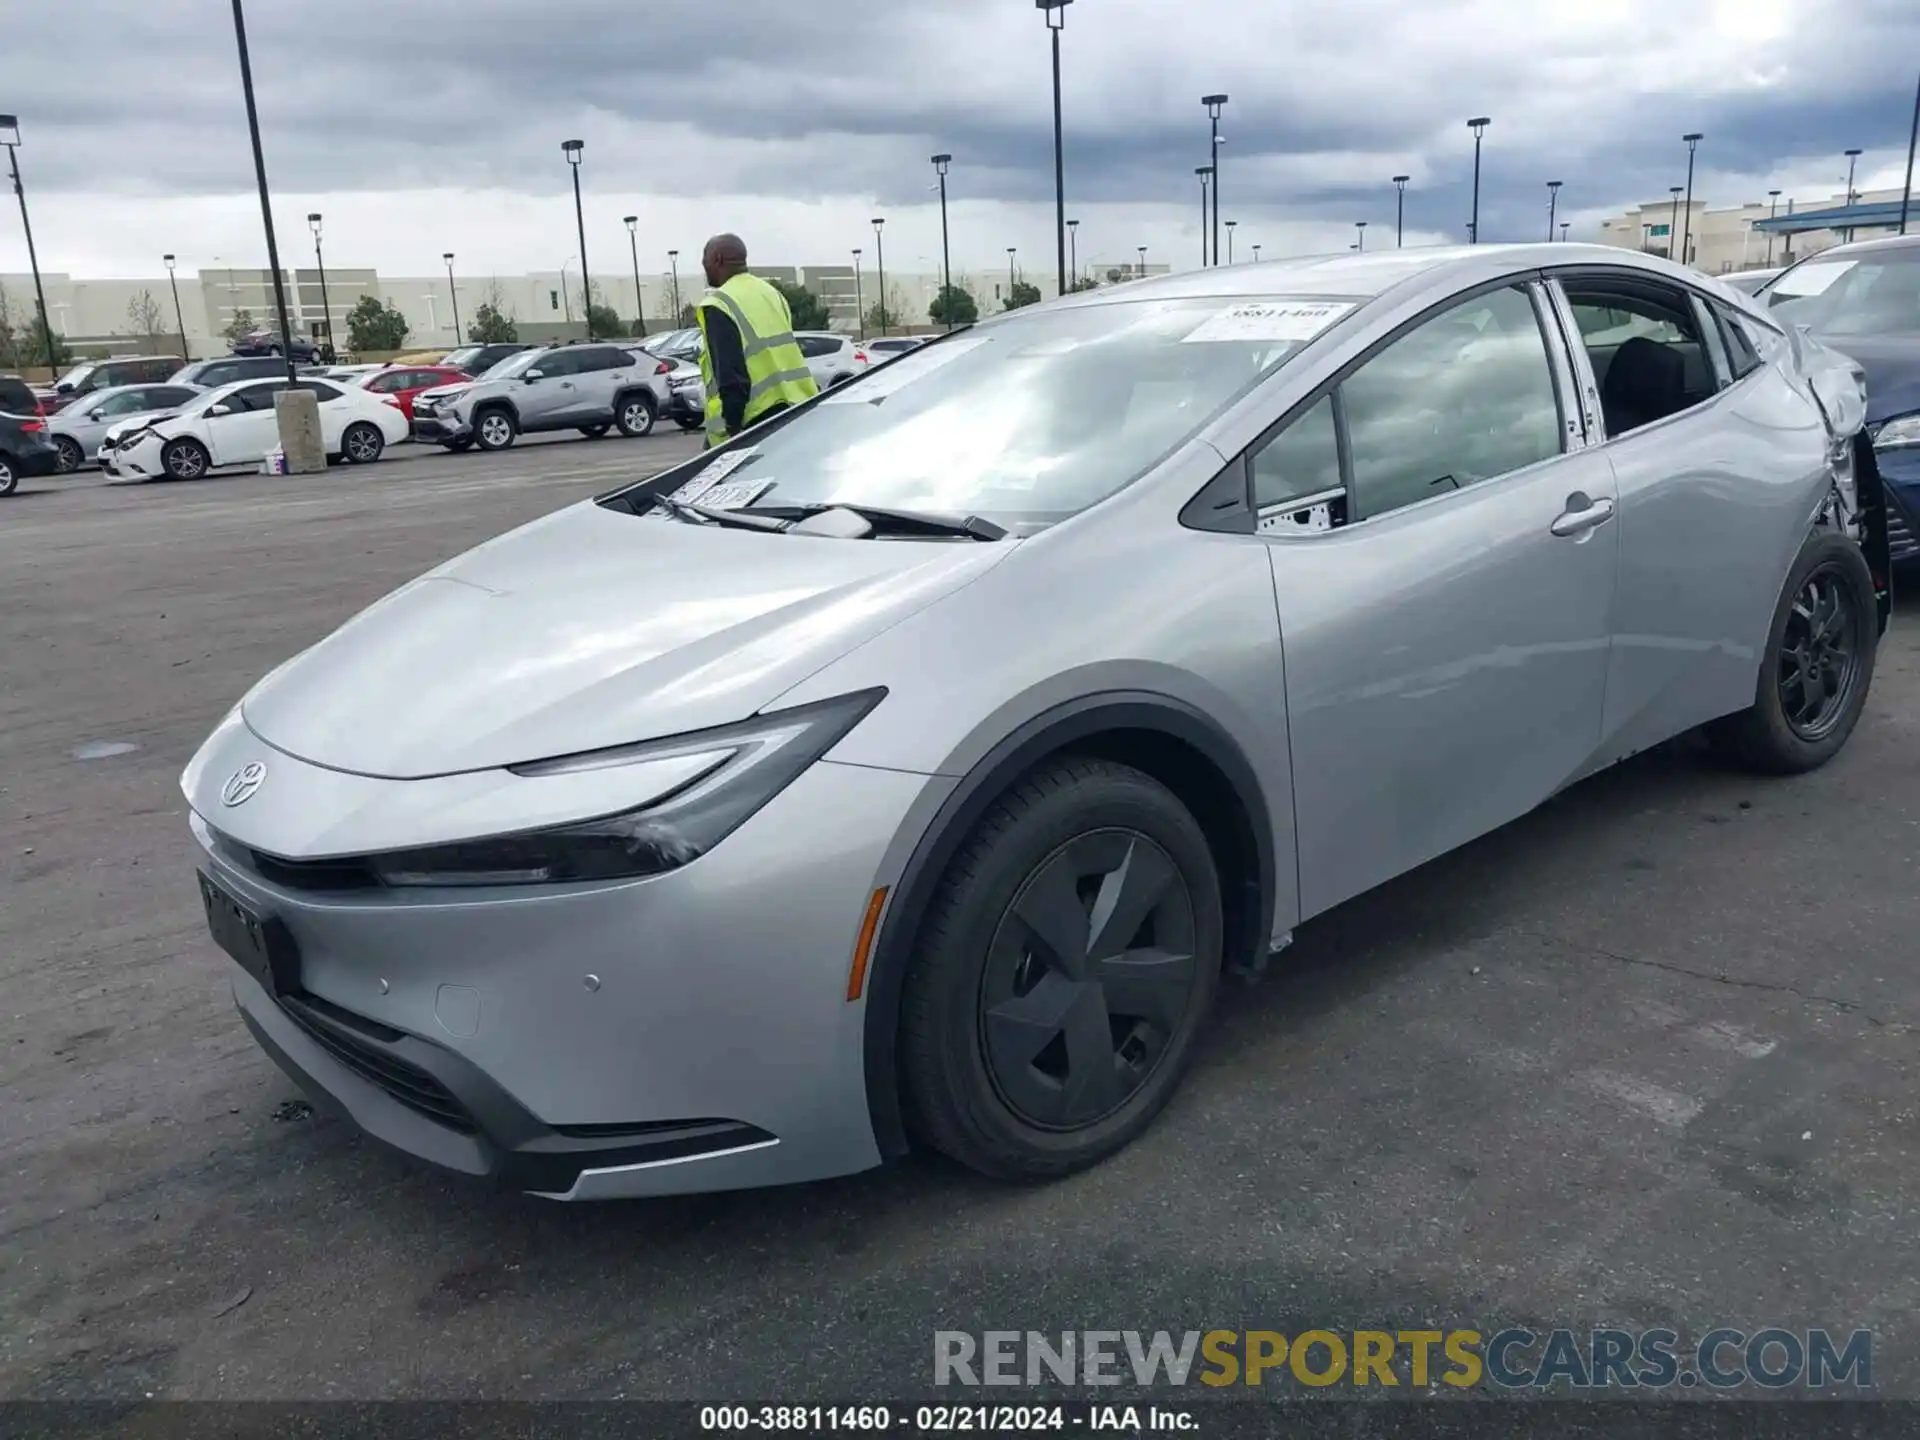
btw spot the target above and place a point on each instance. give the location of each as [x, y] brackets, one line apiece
[911, 769]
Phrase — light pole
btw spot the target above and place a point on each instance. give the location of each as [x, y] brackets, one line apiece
[571, 149]
[1913, 141]
[1143, 261]
[326, 306]
[1230, 225]
[673, 261]
[1553, 204]
[1073, 250]
[1773, 209]
[1400, 209]
[940, 164]
[859, 299]
[1056, 13]
[266, 206]
[1853, 159]
[1479, 126]
[1256, 254]
[1686, 226]
[454, 295]
[566, 296]
[1205, 172]
[632, 222]
[10, 137]
[1360, 228]
[179, 319]
[880, 268]
[1214, 104]
[1565, 225]
[1673, 218]
[1013, 277]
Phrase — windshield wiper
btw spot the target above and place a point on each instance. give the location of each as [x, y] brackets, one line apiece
[882, 517]
[701, 515]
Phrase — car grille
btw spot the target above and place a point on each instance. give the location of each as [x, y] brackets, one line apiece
[334, 1031]
[1900, 539]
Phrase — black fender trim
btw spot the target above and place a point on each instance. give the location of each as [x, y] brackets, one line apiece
[497, 402]
[1875, 522]
[1048, 733]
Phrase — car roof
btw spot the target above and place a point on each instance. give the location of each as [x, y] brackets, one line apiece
[1860, 249]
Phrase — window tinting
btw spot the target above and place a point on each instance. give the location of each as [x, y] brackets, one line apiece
[1302, 460]
[1466, 397]
[319, 389]
[1740, 352]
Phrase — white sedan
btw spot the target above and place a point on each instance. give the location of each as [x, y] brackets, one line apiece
[236, 425]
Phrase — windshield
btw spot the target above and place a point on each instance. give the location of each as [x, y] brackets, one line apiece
[77, 376]
[461, 358]
[513, 365]
[1876, 294]
[1032, 417]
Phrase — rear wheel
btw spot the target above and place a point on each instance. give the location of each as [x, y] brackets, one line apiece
[185, 459]
[1818, 665]
[9, 477]
[595, 432]
[494, 430]
[457, 446]
[363, 443]
[71, 455]
[635, 415]
[1062, 973]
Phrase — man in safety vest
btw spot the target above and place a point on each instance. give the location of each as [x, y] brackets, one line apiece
[752, 365]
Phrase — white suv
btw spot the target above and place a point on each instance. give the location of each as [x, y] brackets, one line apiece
[592, 388]
[831, 358]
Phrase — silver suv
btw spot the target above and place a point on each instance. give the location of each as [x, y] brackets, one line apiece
[592, 388]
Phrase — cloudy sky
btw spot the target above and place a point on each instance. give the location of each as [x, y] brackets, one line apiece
[436, 125]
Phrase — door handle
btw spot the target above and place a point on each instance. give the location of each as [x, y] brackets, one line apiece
[1578, 519]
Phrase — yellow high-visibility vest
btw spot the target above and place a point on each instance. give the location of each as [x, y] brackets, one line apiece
[776, 368]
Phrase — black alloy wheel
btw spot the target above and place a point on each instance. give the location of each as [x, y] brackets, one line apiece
[1088, 977]
[1819, 655]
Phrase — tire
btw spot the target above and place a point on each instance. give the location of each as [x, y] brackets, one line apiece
[9, 477]
[362, 443]
[635, 415]
[185, 459]
[457, 447]
[494, 429]
[1818, 665]
[72, 457]
[1006, 1107]
[595, 432]
[685, 424]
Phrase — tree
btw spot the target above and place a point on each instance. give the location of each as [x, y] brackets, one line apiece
[22, 341]
[880, 318]
[239, 327]
[687, 318]
[146, 319]
[1023, 293]
[490, 327]
[604, 322]
[1085, 282]
[809, 311]
[953, 306]
[1116, 275]
[374, 325]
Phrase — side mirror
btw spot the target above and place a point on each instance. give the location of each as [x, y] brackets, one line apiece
[65, 387]
[95, 415]
[221, 409]
[533, 375]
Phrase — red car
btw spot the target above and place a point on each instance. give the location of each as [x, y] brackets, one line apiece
[403, 382]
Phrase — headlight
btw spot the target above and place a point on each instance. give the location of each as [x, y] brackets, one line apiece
[754, 761]
[1897, 433]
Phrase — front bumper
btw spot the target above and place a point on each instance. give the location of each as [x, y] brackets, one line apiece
[687, 1032]
[138, 461]
[439, 428]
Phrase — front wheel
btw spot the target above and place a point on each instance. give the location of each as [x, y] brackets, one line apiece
[1818, 665]
[686, 424]
[635, 416]
[1062, 973]
[456, 446]
[9, 477]
[363, 443]
[185, 460]
[71, 455]
[494, 430]
[595, 432]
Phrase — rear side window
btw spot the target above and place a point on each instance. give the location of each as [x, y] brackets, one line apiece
[1741, 355]
[1299, 466]
[1645, 344]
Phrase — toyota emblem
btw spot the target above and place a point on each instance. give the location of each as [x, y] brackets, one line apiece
[244, 781]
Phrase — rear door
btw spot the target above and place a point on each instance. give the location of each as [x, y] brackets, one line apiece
[1443, 560]
[604, 371]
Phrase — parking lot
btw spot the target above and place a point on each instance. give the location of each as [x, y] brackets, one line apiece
[1647, 1057]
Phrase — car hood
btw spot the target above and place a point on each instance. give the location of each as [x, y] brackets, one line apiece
[1892, 363]
[436, 392]
[589, 629]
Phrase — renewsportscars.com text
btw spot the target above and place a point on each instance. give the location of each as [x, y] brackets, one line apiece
[1726, 1358]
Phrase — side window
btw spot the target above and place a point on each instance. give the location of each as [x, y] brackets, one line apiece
[1466, 397]
[814, 346]
[173, 395]
[1741, 354]
[319, 389]
[604, 359]
[1644, 341]
[125, 403]
[1297, 473]
[555, 364]
[387, 382]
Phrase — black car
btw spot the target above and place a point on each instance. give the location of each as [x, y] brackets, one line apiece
[91, 375]
[267, 342]
[24, 450]
[1864, 301]
[211, 374]
[476, 360]
[17, 397]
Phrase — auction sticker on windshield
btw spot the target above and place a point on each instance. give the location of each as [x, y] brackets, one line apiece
[712, 474]
[896, 374]
[732, 495]
[1265, 320]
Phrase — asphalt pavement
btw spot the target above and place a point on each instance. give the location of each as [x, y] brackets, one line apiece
[1646, 1057]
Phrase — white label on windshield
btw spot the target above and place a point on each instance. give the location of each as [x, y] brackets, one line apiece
[733, 495]
[1265, 320]
[902, 372]
[715, 471]
[1812, 279]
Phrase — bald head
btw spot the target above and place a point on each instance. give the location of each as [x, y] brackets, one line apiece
[724, 258]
